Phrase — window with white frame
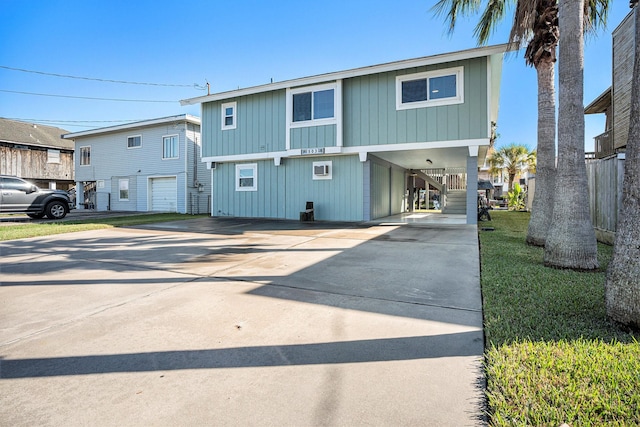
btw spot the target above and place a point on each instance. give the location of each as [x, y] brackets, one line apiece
[53, 156]
[311, 106]
[134, 141]
[430, 89]
[123, 189]
[247, 177]
[170, 147]
[229, 115]
[85, 156]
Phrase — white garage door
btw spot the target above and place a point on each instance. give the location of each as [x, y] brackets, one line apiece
[164, 195]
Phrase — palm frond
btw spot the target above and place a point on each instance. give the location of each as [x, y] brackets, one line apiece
[451, 9]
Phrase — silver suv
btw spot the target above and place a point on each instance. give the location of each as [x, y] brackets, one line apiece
[20, 196]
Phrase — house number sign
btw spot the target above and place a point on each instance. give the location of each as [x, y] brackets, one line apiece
[306, 151]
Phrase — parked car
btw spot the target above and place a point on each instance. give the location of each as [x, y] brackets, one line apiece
[20, 196]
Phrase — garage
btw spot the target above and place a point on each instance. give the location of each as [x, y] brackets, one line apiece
[164, 194]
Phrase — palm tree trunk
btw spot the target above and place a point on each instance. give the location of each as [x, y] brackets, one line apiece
[542, 207]
[622, 287]
[571, 241]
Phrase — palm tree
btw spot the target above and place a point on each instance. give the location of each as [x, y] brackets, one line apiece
[571, 241]
[622, 287]
[512, 159]
[535, 23]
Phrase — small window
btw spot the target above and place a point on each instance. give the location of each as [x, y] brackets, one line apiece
[170, 147]
[229, 115]
[53, 156]
[313, 106]
[123, 187]
[247, 177]
[134, 141]
[85, 156]
[429, 89]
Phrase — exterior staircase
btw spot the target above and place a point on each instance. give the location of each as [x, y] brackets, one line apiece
[455, 202]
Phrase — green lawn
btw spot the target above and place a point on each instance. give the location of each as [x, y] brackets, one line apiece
[29, 229]
[552, 356]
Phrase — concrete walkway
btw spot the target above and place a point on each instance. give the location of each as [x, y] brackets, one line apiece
[243, 322]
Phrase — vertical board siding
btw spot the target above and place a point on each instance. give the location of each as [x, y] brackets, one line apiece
[314, 137]
[380, 190]
[260, 125]
[605, 177]
[371, 118]
[337, 199]
[266, 202]
[623, 56]
[284, 190]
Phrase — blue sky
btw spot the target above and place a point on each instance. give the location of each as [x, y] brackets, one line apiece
[233, 45]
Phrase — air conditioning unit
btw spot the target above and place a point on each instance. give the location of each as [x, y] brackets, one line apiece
[321, 170]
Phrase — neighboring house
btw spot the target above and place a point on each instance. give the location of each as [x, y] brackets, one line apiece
[152, 165]
[605, 168]
[36, 153]
[355, 143]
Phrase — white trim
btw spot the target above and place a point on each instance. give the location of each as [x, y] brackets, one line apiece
[364, 149]
[80, 155]
[458, 72]
[489, 96]
[177, 136]
[338, 113]
[145, 123]
[473, 150]
[356, 72]
[120, 181]
[312, 121]
[252, 166]
[135, 146]
[223, 115]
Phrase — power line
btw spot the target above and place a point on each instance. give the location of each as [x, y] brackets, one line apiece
[85, 97]
[195, 85]
[72, 121]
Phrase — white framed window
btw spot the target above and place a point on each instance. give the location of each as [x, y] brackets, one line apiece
[430, 89]
[229, 114]
[53, 156]
[313, 105]
[123, 189]
[134, 141]
[247, 177]
[322, 170]
[170, 147]
[85, 156]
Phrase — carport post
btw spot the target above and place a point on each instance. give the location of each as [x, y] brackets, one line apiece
[472, 186]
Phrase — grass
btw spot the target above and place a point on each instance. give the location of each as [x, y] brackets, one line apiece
[552, 356]
[24, 230]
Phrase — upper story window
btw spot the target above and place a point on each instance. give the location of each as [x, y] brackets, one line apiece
[311, 106]
[229, 113]
[430, 89]
[85, 156]
[134, 141]
[170, 147]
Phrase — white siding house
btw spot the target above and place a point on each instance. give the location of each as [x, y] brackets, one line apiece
[152, 165]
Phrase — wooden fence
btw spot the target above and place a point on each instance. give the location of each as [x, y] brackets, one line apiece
[605, 178]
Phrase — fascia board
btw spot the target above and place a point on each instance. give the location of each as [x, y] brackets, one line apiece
[356, 72]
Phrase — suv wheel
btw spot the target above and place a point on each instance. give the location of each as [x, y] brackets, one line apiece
[36, 215]
[56, 210]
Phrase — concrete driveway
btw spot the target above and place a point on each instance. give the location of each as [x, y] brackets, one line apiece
[242, 322]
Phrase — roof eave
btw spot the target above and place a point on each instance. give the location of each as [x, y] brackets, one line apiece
[356, 72]
[145, 123]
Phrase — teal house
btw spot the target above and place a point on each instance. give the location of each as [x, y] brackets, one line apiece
[355, 142]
